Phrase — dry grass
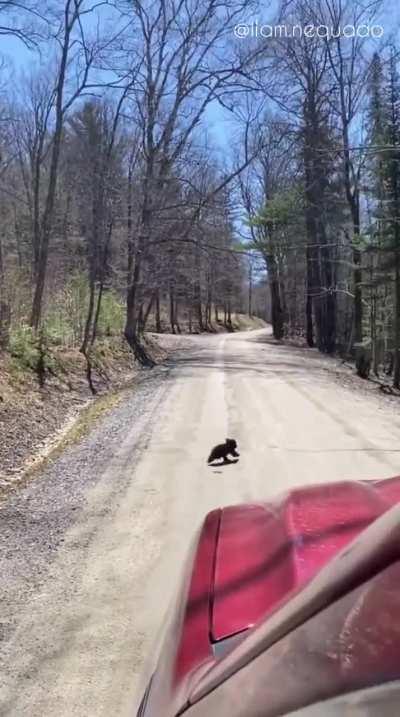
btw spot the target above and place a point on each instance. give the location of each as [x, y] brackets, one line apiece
[31, 417]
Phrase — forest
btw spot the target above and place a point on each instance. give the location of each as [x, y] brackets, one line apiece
[161, 171]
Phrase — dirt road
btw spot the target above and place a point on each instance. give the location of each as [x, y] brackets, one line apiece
[91, 550]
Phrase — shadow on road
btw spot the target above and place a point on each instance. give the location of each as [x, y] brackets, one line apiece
[258, 354]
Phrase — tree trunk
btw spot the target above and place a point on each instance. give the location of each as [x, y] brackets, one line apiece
[36, 239]
[172, 309]
[147, 311]
[250, 295]
[47, 220]
[5, 313]
[396, 352]
[158, 318]
[130, 331]
[66, 221]
[176, 316]
[276, 306]
[97, 313]
[282, 294]
[309, 302]
[357, 271]
[329, 301]
[190, 327]
[18, 237]
[209, 301]
[276, 309]
[229, 316]
[313, 304]
[198, 306]
[207, 315]
[89, 317]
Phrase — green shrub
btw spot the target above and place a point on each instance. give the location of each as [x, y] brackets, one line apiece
[111, 319]
[30, 350]
[65, 317]
[24, 346]
[64, 322]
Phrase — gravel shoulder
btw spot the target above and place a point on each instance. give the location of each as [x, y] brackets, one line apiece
[35, 420]
[36, 520]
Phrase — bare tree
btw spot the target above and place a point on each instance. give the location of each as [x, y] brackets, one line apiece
[97, 163]
[32, 142]
[22, 19]
[181, 74]
[78, 53]
[350, 70]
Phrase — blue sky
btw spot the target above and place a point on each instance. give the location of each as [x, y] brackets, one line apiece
[22, 59]
[218, 123]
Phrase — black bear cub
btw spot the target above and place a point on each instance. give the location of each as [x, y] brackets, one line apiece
[223, 450]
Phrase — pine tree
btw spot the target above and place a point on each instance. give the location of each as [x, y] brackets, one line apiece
[391, 171]
[377, 141]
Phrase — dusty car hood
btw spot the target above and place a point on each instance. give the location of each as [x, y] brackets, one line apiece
[266, 551]
[272, 566]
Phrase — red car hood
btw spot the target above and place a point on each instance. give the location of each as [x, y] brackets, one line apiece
[251, 565]
[251, 558]
[265, 551]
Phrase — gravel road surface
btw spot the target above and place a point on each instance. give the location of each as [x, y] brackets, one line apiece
[92, 548]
